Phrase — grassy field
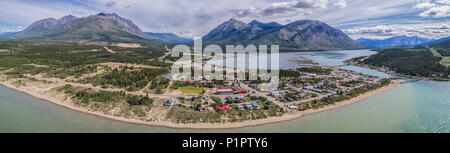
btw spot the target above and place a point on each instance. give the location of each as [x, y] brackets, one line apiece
[191, 90]
[445, 59]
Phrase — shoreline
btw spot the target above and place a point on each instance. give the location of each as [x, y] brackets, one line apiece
[67, 104]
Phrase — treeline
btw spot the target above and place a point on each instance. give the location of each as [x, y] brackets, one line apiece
[289, 73]
[297, 72]
[315, 70]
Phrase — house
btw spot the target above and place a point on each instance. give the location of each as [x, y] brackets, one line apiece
[276, 93]
[319, 85]
[224, 107]
[205, 96]
[169, 102]
[246, 106]
[228, 98]
[255, 105]
[361, 78]
[240, 107]
[239, 98]
[292, 107]
[312, 89]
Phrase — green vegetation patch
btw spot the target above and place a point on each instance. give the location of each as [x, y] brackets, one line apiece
[127, 78]
[191, 90]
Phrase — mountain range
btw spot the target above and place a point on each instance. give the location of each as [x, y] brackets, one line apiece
[104, 27]
[100, 27]
[394, 41]
[298, 35]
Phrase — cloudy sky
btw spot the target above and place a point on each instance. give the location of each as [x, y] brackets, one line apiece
[188, 18]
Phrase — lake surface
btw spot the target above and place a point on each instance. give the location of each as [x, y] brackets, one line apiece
[422, 106]
[289, 60]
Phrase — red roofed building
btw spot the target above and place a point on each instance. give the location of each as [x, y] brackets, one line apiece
[224, 107]
[230, 90]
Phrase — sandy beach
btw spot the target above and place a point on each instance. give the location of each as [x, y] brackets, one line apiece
[61, 100]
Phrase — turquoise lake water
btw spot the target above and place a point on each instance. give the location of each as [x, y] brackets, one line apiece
[422, 106]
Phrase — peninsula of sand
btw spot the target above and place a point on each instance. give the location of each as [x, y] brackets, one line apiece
[45, 91]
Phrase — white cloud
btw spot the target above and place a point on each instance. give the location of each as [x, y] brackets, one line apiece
[110, 3]
[425, 5]
[284, 8]
[432, 30]
[341, 4]
[435, 9]
[437, 12]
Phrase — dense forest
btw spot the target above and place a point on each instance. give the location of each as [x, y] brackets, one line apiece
[61, 60]
[411, 61]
